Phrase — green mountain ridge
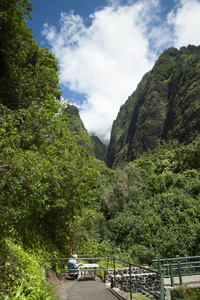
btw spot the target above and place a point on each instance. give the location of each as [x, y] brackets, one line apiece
[164, 107]
[96, 147]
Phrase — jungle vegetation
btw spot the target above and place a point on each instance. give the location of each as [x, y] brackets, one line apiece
[145, 207]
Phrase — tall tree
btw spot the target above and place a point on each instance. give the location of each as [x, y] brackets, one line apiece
[47, 177]
[27, 71]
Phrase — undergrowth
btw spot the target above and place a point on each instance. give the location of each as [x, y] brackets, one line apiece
[185, 293]
[22, 274]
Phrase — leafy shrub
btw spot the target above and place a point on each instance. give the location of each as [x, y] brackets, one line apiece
[185, 293]
[23, 276]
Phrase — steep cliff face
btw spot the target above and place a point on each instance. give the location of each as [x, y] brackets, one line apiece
[75, 122]
[96, 147]
[165, 106]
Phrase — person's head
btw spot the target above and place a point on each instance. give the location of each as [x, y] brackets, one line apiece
[74, 256]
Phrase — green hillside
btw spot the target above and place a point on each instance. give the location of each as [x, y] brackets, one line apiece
[164, 107]
[99, 150]
[96, 147]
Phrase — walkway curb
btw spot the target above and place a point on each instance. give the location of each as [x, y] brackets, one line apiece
[116, 293]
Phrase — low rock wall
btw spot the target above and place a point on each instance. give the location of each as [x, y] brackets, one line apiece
[134, 270]
[142, 277]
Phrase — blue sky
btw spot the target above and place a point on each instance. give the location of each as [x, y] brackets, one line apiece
[104, 47]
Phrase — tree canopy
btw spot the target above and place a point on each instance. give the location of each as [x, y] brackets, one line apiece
[48, 177]
[28, 72]
[152, 205]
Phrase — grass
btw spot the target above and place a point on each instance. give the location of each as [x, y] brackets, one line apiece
[139, 296]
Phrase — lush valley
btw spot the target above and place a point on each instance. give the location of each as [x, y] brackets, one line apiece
[54, 178]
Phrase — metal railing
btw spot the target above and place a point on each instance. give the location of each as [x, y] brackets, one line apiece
[89, 257]
[178, 267]
[161, 296]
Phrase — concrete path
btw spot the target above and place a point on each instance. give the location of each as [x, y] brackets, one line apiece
[194, 279]
[88, 290]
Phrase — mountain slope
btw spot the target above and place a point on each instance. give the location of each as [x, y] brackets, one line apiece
[97, 148]
[165, 106]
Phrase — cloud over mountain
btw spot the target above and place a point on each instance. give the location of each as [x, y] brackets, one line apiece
[106, 56]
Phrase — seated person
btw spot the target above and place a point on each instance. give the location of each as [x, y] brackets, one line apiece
[74, 267]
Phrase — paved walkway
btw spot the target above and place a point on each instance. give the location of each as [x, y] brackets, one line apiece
[189, 280]
[84, 290]
[96, 290]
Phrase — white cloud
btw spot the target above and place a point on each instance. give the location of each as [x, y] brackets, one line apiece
[106, 60]
[186, 22]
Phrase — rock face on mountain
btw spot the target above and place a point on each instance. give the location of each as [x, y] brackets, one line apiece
[165, 106]
[96, 147]
[75, 122]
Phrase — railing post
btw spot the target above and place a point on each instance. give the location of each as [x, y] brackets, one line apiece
[179, 273]
[162, 295]
[167, 261]
[130, 281]
[114, 273]
[159, 265]
[107, 263]
[61, 268]
[171, 274]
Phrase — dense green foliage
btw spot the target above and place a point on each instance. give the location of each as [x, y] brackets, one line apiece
[152, 205]
[23, 274]
[48, 177]
[185, 293]
[28, 73]
[164, 107]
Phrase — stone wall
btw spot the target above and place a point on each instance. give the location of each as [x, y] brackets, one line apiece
[143, 277]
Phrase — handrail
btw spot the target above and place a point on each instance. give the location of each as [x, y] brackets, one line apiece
[82, 258]
[162, 294]
[61, 259]
[175, 258]
[174, 264]
[186, 263]
[141, 267]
